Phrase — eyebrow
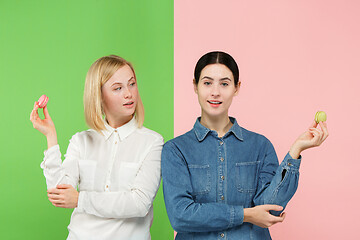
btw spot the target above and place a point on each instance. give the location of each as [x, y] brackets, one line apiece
[121, 83]
[221, 79]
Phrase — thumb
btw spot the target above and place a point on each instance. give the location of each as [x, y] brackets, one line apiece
[273, 207]
[313, 124]
[63, 186]
[46, 113]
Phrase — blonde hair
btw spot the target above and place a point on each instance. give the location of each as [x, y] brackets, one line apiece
[99, 73]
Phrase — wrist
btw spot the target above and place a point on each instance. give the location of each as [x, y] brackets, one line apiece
[295, 151]
[247, 214]
[51, 139]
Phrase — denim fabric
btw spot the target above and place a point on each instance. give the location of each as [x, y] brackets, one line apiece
[208, 181]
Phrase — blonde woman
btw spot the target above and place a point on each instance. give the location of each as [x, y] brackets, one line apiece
[115, 165]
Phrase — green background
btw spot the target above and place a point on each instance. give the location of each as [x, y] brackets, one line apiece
[46, 47]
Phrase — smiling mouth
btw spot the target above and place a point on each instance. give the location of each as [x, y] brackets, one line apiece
[214, 102]
[129, 103]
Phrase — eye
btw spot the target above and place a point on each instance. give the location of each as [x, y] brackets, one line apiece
[119, 88]
[224, 84]
[207, 83]
[133, 84]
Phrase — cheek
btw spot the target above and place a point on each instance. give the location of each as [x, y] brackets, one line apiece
[230, 98]
[134, 93]
[202, 95]
[105, 99]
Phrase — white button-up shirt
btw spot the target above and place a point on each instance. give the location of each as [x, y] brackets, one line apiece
[117, 174]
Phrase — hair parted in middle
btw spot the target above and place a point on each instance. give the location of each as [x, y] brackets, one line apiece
[99, 73]
[213, 58]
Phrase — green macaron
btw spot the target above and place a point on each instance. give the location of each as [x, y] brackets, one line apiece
[320, 116]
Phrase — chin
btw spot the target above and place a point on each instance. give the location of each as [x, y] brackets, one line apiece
[215, 114]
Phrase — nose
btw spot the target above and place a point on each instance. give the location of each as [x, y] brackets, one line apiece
[215, 91]
[127, 93]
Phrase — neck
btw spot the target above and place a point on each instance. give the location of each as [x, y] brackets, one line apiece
[220, 124]
[117, 122]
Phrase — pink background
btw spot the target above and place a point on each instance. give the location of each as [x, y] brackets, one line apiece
[295, 58]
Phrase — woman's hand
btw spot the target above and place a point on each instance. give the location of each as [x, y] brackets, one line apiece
[45, 126]
[64, 196]
[314, 137]
[261, 216]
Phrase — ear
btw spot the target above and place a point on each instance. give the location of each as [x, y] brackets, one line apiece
[237, 88]
[195, 86]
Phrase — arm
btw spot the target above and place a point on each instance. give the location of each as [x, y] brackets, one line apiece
[277, 185]
[57, 172]
[184, 213]
[128, 204]
[54, 170]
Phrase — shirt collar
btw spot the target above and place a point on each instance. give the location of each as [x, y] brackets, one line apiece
[201, 131]
[123, 131]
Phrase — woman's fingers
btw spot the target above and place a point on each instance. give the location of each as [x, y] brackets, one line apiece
[319, 131]
[313, 124]
[315, 141]
[59, 205]
[56, 201]
[54, 191]
[323, 126]
[64, 186]
[269, 207]
[55, 196]
[278, 219]
[46, 113]
[34, 113]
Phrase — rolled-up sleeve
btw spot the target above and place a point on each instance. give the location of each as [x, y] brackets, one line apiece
[277, 183]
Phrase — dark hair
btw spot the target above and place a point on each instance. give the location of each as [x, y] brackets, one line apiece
[217, 57]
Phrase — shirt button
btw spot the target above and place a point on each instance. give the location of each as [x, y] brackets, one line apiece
[222, 159]
[222, 235]
[221, 143]
[107, 186]
[115, 130]
[222, 177]
[115, 142]
[289, 164]
[222, 198]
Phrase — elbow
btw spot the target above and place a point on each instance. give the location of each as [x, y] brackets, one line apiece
[143, 211]
[144, 207]
[178, 225]
[179, 222]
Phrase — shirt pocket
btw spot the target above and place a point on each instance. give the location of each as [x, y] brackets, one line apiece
[126, 175]
[87, 170]
[246, 176]
[200, 178]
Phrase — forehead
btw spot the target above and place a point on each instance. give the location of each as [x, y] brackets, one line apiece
[216, 71]
[122, 75]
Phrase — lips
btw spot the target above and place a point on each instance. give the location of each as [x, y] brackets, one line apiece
[129, 104]
[214, 102]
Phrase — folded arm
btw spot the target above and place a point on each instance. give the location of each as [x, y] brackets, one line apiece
[126, 204]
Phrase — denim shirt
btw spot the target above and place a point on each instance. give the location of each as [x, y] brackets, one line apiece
[208, 181]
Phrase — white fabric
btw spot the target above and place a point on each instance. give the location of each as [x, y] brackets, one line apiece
[117, 175]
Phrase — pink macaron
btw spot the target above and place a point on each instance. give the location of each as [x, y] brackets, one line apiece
[43, 100]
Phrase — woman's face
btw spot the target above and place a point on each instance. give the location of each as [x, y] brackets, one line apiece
[216, 90]
[119, 94]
